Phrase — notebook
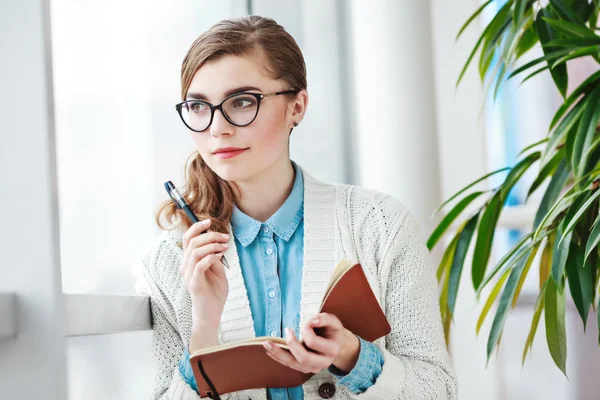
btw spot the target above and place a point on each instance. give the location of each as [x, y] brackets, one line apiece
[244, 364]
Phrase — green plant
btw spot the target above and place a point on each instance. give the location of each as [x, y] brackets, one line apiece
[566, 230]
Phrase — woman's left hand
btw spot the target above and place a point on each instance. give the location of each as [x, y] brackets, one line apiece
[336, 345]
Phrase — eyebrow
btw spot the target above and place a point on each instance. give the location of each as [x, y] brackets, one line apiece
[202, 96]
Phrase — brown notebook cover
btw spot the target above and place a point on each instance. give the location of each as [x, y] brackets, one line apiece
[245, 365]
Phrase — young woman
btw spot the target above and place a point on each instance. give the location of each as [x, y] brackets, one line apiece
[282, 232]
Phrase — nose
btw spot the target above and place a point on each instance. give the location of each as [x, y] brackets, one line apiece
[220, 125]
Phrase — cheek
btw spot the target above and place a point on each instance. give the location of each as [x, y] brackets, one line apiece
[269, 132]
[270, 139]
[201, 143]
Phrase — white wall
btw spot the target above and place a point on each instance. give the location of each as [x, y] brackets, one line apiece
[395, 102]
[30, 264]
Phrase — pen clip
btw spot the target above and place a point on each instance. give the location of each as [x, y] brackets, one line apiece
[174, 194]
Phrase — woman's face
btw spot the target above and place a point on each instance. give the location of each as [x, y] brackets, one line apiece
[265, 140]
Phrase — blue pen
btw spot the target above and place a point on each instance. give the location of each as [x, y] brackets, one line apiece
[180, 202]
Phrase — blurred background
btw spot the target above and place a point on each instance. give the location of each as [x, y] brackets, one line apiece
[83, 174]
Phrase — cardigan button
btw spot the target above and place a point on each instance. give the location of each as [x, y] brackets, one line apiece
[327, 390]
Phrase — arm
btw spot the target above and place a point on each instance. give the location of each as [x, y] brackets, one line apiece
[416, 362]
[365, 372]
[167, 346]
[167, 350]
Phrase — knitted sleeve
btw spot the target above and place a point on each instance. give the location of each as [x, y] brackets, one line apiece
[416, 361]
[167, 344]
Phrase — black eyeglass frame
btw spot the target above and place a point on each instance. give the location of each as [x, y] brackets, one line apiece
[258, 96]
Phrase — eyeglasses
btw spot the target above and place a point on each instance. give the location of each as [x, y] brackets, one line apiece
[239, 109]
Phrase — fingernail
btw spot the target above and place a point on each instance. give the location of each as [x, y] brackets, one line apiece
[288, 332]
[315, 320]
[226, 245]
[225, 236]
[267, 345]
[206, 221]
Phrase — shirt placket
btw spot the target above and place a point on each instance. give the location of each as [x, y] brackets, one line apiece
[273, 288]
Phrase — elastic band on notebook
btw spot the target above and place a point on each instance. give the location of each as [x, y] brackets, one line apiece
[213, 391]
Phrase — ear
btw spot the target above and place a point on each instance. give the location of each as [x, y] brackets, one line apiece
[298, 108]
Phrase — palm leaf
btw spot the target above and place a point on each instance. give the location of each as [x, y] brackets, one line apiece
[539, 306]
[467, 188]
[472, 17]
[503, 307]
[585, 133]
[450, 217]
[546, 35]
[580, 281]
[594, 239]
[581, 89]
[485, 237]
[491, 299]
[523, 276]
[555, 325]
[459, 259]
[560, 253]
[546, 260]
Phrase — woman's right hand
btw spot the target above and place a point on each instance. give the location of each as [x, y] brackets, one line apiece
[204, 273]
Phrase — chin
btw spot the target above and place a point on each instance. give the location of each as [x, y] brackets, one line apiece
[232, 172]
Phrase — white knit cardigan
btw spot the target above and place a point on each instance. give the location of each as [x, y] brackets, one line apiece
[340, 221]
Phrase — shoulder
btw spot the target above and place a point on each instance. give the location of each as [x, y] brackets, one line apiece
[359, 198]
[368, 206]
[364, 208]
[381, 224]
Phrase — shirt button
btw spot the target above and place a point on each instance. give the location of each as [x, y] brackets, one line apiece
[266, 229]
[274, 334]
[269, 251]
[271, 294]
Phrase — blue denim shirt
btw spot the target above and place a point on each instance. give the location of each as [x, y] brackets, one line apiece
[271, 257]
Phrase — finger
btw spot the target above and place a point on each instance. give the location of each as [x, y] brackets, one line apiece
[204, 251]
[296, 366]
[319, 344]
[207, 238]
[194, 230]
[201, 252]
[196, 248]
[189, 271]
[202, 266]
[284, 357]
[193, 264]
[326, 320]
[218, 268]
[314, 361]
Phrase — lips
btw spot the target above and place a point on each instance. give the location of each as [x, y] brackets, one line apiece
[228, 152]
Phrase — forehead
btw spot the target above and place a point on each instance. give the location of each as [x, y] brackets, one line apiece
[218, 76]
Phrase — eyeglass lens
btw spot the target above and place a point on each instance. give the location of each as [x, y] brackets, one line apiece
[240, 110]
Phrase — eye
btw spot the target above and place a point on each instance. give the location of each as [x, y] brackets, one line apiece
[198, 107]
[243, 102]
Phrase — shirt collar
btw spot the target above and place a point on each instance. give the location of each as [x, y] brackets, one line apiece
[284, 222]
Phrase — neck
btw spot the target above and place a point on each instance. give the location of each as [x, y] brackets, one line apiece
[263, 195]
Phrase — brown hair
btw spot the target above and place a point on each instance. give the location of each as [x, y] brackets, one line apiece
[208, 195]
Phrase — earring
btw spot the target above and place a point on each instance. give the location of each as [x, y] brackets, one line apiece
[295, 124]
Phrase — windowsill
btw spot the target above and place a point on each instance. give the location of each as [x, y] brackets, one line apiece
[88, 314]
